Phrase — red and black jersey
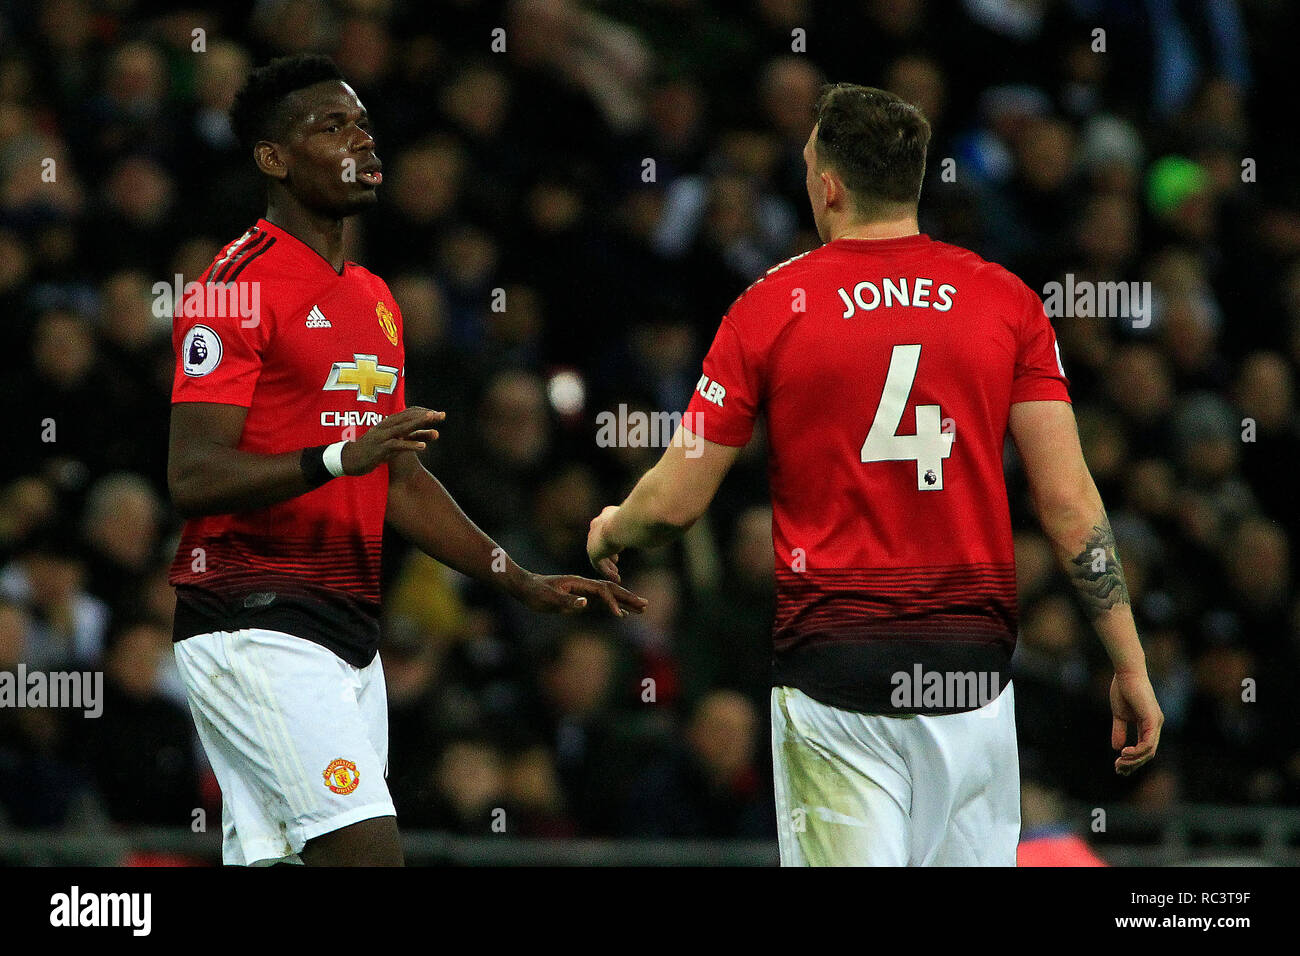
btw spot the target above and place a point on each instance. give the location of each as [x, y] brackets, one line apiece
[886, 370]
[316, 357]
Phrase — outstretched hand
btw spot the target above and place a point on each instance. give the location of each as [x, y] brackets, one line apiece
[569, 594]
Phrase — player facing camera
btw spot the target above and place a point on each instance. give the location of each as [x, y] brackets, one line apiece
[277, 572]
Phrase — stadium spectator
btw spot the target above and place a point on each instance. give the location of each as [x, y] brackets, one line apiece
[708, 787]
[67, 625]
[140, 751]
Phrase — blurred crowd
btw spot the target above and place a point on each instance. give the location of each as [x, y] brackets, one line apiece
[623, 170]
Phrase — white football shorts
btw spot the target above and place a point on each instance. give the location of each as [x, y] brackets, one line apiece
[297, 738]
[870, 790]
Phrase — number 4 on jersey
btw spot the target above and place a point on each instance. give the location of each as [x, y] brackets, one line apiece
[929, 446]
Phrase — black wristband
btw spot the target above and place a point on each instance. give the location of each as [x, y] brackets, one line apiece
[313, 467]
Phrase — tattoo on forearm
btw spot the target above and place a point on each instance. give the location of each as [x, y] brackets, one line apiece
[1097, 573]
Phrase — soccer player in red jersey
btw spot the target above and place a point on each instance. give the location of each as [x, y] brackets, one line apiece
[284, 344]
[890, 369]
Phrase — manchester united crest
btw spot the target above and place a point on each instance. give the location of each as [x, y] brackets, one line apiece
[341, 776]
[386, 321]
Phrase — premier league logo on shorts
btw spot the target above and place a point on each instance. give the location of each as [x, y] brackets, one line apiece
[201, 351]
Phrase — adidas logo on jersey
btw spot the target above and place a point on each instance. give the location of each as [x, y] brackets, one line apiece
[316, 319]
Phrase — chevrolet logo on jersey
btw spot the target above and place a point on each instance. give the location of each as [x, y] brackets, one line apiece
[365, 375]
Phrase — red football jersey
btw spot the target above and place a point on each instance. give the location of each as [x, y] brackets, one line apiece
[316, 357]
[886, 370]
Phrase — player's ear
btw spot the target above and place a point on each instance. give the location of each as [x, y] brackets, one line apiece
[267, 156]
[832, 188]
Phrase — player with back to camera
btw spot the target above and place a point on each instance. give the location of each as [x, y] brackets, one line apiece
[277, 573]
[890, 368]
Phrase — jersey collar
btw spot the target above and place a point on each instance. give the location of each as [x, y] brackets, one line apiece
[881, 245]
[296, 247]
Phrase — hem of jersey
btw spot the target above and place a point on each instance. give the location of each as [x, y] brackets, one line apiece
[872, 693]
[190, 621]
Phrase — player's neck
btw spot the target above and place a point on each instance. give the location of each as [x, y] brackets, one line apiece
[876, 229]
[323, 234]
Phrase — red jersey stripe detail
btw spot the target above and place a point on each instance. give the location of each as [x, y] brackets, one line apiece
[233, 561]
[245, 260]
[231, 250]
[854, 605]
[224, 270]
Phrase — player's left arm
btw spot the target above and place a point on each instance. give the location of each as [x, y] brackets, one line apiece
[668, 499]
[424, 512]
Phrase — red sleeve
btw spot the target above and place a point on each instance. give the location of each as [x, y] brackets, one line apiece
[728, 395]
[1040, 376]
[219, 356]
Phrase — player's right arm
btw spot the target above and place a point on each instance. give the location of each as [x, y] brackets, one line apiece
[208, 474]
[1072, 515]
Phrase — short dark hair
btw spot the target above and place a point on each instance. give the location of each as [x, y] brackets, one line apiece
[875, 140]
[255, 114]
